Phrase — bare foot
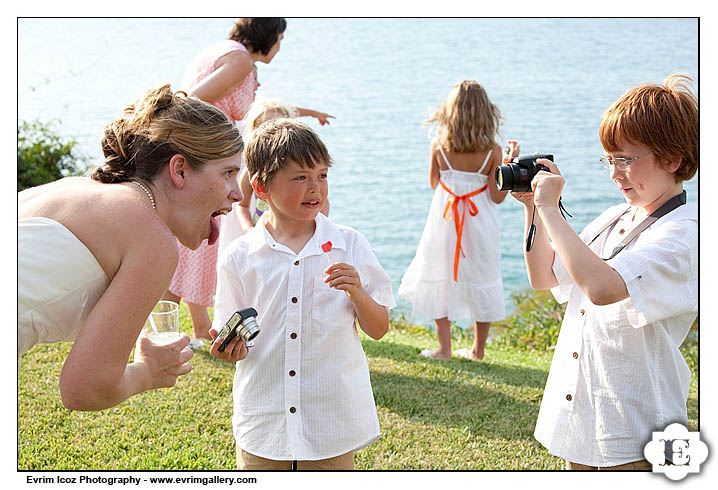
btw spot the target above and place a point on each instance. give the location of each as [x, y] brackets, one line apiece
[435, 354]
[472, 354]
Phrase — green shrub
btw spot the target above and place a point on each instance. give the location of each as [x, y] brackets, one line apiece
[535, 323]
[42, 156]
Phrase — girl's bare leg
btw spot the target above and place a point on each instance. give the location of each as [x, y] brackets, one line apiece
[168, 296]
[443, 332]
[200, 320]
[481, 333]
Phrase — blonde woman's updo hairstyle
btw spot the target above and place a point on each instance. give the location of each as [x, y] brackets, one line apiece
[160, 125]
[663, 118]
[258, 34]
[467, 121]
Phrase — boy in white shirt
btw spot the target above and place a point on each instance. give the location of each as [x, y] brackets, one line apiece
[631, 282]
[302, 394]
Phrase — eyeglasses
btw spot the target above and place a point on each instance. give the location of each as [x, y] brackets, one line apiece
[619, 163]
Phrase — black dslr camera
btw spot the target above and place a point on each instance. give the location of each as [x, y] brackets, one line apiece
[517, 175]
[242, 323]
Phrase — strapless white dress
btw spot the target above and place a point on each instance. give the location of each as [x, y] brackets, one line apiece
[59, 282]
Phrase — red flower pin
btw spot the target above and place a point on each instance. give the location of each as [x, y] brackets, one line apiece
[326, 248]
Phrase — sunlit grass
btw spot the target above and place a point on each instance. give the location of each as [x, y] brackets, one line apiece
[455, 414]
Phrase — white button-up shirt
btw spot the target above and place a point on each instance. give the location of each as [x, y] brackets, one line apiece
[303, 392]
[617, 374]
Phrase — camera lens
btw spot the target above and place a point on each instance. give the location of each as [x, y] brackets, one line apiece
[249, 329]
[504, 177]
[253, 333]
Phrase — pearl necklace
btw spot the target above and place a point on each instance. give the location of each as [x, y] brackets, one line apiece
[147, 191]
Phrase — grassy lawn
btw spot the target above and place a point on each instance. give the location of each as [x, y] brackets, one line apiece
[450, 415]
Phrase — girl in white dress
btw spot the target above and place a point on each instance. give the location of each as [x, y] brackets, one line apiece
[456, 273]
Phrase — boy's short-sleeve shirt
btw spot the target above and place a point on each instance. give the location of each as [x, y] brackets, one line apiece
[303, 392]
[617, 373]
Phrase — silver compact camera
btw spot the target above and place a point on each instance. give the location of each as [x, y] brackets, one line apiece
[242, 323]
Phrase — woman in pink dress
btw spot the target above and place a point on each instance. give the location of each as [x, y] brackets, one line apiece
[225, 75]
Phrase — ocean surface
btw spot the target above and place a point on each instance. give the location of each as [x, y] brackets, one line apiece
[551, 78]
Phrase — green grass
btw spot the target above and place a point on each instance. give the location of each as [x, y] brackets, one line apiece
[455, 414]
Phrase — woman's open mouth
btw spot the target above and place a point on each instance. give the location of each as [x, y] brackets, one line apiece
[214, 225]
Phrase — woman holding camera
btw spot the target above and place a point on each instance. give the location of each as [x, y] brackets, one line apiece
[630, 279]
[95, 255]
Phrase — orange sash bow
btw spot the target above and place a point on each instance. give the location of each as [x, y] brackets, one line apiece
[453, 203]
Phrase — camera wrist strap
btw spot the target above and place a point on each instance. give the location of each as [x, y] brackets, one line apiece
[666, 208]
[563, 210]
[532, 228]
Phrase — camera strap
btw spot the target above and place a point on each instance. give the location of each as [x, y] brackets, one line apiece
[532, 229]
[666, 208]
[563, 210]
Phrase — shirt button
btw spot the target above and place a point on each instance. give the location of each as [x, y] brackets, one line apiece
[621, 231]
[292, 409]
[582, 312]
[568, 397]
[292, 372]
[294, 299]
[575, 355]
[292, 335]
[296, 262]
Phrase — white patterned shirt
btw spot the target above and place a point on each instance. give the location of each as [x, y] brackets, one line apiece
[617, 374]
[303, 392]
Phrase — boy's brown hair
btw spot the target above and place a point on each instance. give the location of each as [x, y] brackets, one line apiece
[664, 118]
[277, 142]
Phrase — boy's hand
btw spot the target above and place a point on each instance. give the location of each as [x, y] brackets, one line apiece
[235, 350]
[547, 186]
[373, 317]
[345, 278]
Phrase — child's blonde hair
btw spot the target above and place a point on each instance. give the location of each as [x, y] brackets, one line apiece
[664, 118]
[467, 121]
[263, 110]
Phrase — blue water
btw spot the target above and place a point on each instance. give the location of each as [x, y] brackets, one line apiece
[551, 78]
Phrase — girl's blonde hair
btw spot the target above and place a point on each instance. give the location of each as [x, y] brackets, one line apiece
[159, 125]
[467, 121]
[263, 110]
[662, 117]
